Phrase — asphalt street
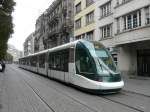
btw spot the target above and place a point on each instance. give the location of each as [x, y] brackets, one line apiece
[24, 91]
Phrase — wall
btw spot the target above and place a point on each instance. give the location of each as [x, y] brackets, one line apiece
[84, 10]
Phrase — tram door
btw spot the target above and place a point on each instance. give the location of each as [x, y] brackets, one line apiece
[143, 61]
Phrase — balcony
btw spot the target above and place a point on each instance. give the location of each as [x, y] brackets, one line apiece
[133, 35]
[64, 10]
[53, 32]
[54, 18]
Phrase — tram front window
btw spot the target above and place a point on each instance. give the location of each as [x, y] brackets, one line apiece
[94, 62]
[106, 58]
[85, 64]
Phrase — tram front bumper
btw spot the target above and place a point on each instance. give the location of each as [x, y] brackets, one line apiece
[111, 85]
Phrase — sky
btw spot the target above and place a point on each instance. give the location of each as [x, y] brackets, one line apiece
[24, 18]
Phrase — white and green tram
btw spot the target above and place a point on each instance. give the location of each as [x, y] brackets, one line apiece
[84, 64]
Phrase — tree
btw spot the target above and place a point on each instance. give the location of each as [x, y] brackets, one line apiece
[8, 58]
[6, 25]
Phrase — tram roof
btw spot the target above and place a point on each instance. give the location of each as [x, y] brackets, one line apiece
[57, 48]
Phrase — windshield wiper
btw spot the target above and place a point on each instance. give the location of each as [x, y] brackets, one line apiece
[100, 64]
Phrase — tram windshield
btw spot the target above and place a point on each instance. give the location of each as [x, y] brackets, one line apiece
[104, 55]
[92, 60]
[106, 58]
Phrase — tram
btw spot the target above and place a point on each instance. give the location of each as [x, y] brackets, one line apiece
[84, 64]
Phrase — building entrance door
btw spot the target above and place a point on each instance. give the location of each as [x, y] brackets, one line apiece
[143, 62]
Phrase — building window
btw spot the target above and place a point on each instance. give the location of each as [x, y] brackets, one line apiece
[89, 2]
[106, 31]
[82, 36]
[147, 14]
[139, 18]
[90, 35]
[132, 20]
[78, 7]
[117, 2]
[106, 9]
[78, 24]
[78, 37]
[135, 20]
[124, 1]
[90, 17]
[120, 2]
[118, 25]
[129, 20]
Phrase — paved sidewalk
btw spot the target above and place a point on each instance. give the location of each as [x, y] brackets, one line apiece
[137, 84]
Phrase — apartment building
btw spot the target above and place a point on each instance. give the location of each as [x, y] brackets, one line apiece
[55, 26]
[125, 25]
[29, 45]
[84, 19]
[59, 23]
[39, 33]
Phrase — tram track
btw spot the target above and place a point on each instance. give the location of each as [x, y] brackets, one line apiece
[125, 93]
[109, 99]
[62, 93]
[101, 97]
[39, 96]
[35, 92]
[114, 101]
[140, 94]
[75, 100]
[131, 107]
[89, 107]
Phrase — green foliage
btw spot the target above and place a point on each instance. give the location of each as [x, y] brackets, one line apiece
[6, 25]
[9, 58]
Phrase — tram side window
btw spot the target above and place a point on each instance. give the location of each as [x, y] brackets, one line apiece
[28, 61]
[52, 64]
[42, 60]
[50, 60]
[34, 61]
[65, 60]
[59, 61]
[25, 61]
[21, 61]
[84, 62]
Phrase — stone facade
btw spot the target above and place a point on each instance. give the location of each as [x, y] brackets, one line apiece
[125, 24]
[29, 45]
[55, 26]
[39, 34]
[84, 20]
